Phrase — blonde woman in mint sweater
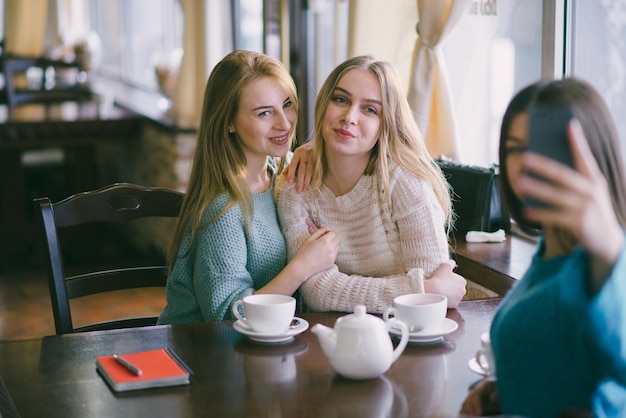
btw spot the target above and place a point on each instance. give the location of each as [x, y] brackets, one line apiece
[228, 242]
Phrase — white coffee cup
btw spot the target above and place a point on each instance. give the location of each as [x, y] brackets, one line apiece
[484, 356]
[266, 313]
[419, 311]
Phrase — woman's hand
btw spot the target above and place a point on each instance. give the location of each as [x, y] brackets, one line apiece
[578, 201]
[445, 281]
[482, 400]
[299, 169]
[318, 252]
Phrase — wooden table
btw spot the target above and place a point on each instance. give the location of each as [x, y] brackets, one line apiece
[74, 127]
[496, 266]
[234, 377]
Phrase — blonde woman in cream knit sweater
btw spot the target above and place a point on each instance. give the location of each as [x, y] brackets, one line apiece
[377, 187]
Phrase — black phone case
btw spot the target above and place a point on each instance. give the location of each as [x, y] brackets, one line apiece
[547, 135]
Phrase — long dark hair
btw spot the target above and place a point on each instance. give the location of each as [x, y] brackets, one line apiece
[597, 123]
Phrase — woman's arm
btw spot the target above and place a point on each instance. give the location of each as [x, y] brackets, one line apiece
[607, 319]
[329, 290]
[318, 253]
[220, 274]
[578, 201]
[445, 281]
[336, 291]
[421, 224]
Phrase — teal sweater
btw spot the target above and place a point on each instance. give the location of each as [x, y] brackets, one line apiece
[556, 348]
[224, 264]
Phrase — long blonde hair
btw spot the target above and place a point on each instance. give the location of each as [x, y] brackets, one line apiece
[219, 164]
[399, 140]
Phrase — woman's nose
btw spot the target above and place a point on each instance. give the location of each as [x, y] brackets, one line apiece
[283, 121]
[350, 116]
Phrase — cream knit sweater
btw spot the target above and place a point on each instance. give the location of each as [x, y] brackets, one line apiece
[386, 249]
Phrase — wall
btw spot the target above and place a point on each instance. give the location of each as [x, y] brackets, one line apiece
[159, 158]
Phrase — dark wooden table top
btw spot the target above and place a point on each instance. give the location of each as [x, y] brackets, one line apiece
[496, 266]
[235, 377]
[64, 124]
[75, 127]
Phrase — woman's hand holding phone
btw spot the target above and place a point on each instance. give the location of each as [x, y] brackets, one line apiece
[576, 199]
[547, 135]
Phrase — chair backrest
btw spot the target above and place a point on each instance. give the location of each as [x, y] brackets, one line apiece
[49, 88]
[117, 203]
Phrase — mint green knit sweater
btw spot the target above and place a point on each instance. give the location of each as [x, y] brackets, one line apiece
[224, 264]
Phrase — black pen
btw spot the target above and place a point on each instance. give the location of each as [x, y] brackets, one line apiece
[127, 365]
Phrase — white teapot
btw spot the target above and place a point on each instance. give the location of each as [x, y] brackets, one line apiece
[359, 346]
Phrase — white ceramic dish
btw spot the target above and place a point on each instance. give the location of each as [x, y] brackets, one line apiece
[475, 367]
[429, 336]
[287, 336]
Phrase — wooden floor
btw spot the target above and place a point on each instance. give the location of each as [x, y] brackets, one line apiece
[25, 309]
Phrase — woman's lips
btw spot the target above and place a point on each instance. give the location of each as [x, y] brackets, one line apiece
[279, 140]
[343, 133]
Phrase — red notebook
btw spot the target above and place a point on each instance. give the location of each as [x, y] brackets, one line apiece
[158, 368]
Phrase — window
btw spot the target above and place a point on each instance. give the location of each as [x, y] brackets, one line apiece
[598, 52]
[135, 35]
[491, 54]
[249, 32]
[503, 45]
[499, 47]
[1, 22]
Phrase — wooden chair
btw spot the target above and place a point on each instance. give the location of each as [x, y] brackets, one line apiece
[117, 203]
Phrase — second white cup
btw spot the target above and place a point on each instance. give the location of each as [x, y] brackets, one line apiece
[484, 355]
[266, 313]
[419, 310]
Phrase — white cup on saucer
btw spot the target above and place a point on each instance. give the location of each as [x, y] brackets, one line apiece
[419, 311]
[266, 313]
[484, 356]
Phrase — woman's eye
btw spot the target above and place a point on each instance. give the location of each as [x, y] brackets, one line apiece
[265, 113]
[287, 104]
[371, 110]
[339, 99]
[516, 150]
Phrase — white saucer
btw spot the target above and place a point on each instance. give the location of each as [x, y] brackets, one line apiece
[272, 338]
[476, 368]
[429, 336]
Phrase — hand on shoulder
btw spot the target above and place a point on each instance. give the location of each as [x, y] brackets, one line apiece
[300, 169]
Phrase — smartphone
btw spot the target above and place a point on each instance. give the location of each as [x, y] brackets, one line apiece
[547, 135]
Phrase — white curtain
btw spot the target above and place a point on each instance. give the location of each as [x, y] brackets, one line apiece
[24, 26]
[187, 103]
[207, 39]
[384, 29]
[67, 26]
[429, 93]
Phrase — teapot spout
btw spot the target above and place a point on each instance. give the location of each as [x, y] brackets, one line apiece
[327, 337]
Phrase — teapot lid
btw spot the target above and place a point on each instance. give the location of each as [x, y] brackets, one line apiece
[360, 319]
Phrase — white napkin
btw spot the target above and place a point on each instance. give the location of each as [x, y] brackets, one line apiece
[481, 236]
